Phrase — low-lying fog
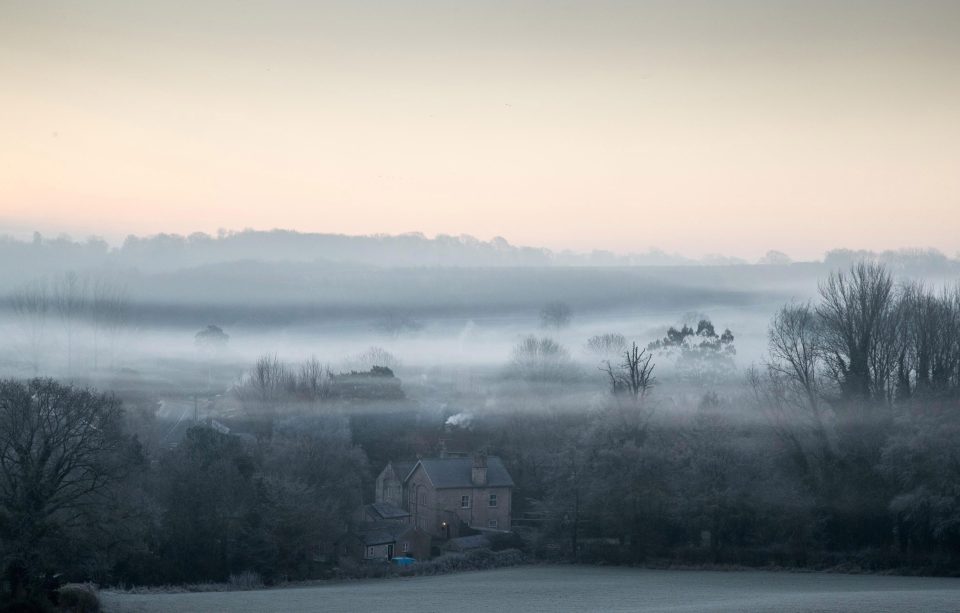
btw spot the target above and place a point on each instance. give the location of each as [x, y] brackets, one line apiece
[100, 316]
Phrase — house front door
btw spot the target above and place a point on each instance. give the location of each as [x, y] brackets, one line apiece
[390, 551]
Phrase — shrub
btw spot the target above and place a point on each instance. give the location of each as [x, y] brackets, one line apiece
[477, 559]
[78, 598]
[247, 580]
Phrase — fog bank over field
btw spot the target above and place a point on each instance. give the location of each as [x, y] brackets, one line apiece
[786, 414]
[449, 300]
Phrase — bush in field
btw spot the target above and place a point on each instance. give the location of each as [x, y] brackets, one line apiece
[247, 580]
[541, 359]
[606, 346]
[78, 598]
[377, 356]
[477, 559]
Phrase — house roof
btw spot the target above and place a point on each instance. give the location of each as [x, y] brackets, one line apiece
[379, 533]
[388, 510]
[402, 469]
[457, 472]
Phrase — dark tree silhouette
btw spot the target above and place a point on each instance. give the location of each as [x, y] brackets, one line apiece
[59, 451]
[212, 337]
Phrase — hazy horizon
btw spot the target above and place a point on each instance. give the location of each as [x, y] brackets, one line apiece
[697, 128]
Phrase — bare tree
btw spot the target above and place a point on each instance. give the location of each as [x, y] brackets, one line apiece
[795, 344]
[108, 313]
[377, 356]
[555, 315]
[70, 301]
[859, 332]
[541, 359]
[606, 345]
[314, 380]
[59, 449]
[32, 303]
[634, 377]
[268, 381]
[930, 357]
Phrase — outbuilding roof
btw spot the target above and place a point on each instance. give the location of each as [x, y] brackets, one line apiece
[388, 510]
[380, 533]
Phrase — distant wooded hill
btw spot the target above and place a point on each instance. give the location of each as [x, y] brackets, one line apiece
[169, 252]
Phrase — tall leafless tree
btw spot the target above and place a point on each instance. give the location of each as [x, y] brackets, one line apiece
[108, 313]
[857, 312]
[794, 341]
[541, 359]
[634, 376]
[606, 345]
[32, 304]
[70, 300]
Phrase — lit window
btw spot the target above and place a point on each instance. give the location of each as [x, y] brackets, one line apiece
[492, 524]
[464, 502]
[493, 500]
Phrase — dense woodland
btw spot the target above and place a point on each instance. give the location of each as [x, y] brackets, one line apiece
[839, 449]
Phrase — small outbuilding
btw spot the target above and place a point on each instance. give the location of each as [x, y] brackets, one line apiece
[385, 540]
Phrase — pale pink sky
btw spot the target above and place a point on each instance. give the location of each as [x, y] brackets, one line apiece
[694, 126]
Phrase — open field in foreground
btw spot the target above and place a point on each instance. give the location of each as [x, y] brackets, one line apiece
[578, 588]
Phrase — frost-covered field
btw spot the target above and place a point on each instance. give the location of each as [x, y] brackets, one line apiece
[571, 588]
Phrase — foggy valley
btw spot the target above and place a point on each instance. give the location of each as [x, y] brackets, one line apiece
[426, 306]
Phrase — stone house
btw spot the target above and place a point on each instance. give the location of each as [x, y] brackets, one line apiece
[449, 495]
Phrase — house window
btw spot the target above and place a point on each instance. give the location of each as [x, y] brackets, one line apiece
[493, 500]
[406, 547]
[371, 551]
[423, 499]
[464, 502]
[493, 524]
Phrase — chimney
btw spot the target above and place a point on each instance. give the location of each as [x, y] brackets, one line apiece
[443, 449]
[479, 473]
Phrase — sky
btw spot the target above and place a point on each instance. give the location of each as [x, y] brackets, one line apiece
[697, 127]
